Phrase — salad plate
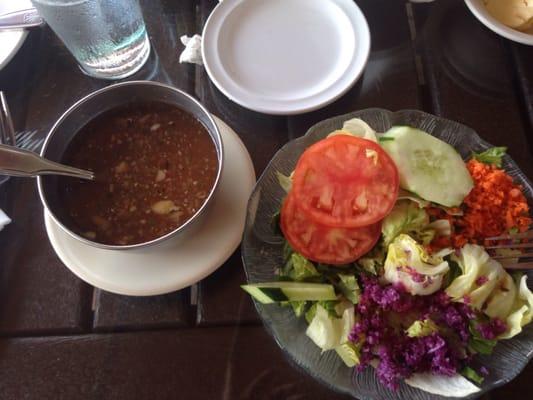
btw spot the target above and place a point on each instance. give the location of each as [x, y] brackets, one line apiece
[262, 252]
[170, 266]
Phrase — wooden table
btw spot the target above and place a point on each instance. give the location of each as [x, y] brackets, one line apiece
[64, 339]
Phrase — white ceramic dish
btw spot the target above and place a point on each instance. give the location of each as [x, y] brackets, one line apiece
[285, 56]
[166, 268]
[481, 13]
[11, 40]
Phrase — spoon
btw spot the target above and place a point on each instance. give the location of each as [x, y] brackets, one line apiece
[19, 162]
[21, 19]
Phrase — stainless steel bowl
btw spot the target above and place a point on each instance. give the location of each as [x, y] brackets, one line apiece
[98, 102]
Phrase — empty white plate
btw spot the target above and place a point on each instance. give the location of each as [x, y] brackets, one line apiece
[168, 267]
[285, 56]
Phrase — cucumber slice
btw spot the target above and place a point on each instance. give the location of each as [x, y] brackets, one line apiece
[273, 292]
[428, 166]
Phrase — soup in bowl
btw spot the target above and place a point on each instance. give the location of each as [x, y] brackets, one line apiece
[157, 158]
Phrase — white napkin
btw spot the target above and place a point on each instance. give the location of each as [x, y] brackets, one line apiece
[4, 220]
[193, 49]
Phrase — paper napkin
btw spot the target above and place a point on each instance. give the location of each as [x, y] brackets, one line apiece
[193, 49]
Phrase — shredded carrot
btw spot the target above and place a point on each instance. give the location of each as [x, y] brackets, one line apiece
[494, 206]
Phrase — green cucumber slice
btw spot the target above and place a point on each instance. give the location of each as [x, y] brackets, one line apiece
[428, 166]
[273, 292]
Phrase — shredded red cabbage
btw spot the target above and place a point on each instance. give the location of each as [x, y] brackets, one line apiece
[383, 310]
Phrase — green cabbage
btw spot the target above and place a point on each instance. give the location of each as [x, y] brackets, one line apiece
[409, 263]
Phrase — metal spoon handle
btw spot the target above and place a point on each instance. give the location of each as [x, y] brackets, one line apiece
[18, 162]
[21, 19]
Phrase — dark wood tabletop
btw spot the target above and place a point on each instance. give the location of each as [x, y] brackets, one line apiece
[61, 338]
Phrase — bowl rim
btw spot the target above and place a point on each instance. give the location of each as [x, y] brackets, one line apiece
[74, 107]
[481, 13]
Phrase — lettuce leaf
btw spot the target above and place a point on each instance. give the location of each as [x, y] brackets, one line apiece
[285, 181]
[409, 264]
[492, 156]
[487, 287]
[328, 332]
[522, 313]
[349, 287]
[299, 268]
[356, 127]
[405, 217]
[472, 375]
[421, 328]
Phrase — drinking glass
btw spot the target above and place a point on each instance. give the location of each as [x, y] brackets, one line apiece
[107, 37]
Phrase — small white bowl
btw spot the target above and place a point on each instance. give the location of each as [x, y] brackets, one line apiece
[481, 13]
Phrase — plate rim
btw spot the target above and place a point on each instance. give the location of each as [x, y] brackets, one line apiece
[362, 50]
[6, 57]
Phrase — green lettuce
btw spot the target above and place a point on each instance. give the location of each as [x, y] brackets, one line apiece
[487, 287]
[284, 181]
[328, 332]
[356, 127]
[349, 287]
[472, 375]
[422, 328]
[405, 217]
[522, 311]
[491, 156]
[298, 268]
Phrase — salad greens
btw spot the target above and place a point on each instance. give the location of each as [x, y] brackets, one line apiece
[422, 327]
[409, 264]
[493, 156]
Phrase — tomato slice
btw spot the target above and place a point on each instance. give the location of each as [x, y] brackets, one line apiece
[346, 181]
[322, 243]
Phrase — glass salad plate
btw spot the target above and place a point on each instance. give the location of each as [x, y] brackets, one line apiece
[262, 255]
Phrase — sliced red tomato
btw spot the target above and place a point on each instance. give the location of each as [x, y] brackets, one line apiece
[346, 181]
[322, 243]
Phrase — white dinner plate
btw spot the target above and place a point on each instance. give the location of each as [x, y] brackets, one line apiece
[163, 269]
[285, 56]
[11, 40]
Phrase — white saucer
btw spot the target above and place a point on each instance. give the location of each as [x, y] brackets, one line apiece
[285, 56]
[163, 269]
[11, 40]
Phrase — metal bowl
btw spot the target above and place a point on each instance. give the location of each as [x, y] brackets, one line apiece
[98, 102]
